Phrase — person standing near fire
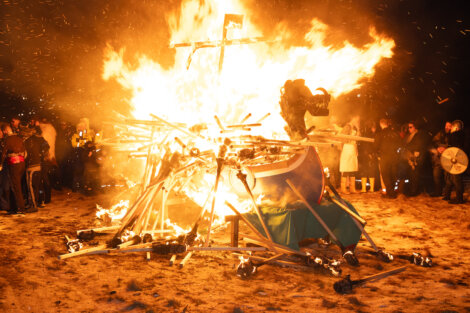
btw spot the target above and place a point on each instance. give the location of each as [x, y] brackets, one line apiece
[415, 151]
[80, 142]
[14, 153]
[348, 163]
[49, 163]
[456, 139]
[83, 134]
[367, 157]
[440, 142]
[63, 153]
[38, 150]
[387, 142]
[4, 181]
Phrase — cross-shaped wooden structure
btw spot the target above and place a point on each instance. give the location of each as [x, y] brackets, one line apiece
[230, 21]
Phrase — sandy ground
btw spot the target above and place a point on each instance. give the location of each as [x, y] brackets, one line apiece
[33, 279]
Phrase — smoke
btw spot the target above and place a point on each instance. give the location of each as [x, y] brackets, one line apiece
[53, 57]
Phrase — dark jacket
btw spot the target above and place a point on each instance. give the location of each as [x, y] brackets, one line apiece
[387, 142]
[457, 139]
[37, 148]
[418, 143]
[12, 144]
[441, 139]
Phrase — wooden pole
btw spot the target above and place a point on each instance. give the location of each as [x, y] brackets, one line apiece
[125, 244]
[138, 225]
[99, 229]
[148, 163]
[359, 225]
[279, 247]
[174, 126]
[101, 249]
[378, 276]
[263, 118]
[150, 210]
[246, 221]
[242, 178]
[281, 263]
[354, 216]
[130, 213]
[162, 212]
[186, 259]
[269, 242]
[155, 222]
[229, 249]
[220, 164]
[245, 118]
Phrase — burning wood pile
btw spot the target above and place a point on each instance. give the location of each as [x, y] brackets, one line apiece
[187, 163]
[231, 168]
[218, 172]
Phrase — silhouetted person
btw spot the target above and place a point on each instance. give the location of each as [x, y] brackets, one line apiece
[367, 157]
[415, 146]
[38, 149]
[387, 142]
[79, 141]
[13, 152]
[49, 163]
[63, 152]
[456, 139]
[4, 181]
[440, 142]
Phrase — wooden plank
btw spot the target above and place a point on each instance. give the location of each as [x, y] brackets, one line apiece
[100, 229]
[347, 210]
[281, 263]
[186, 259]
[98, 249]
[264, 243]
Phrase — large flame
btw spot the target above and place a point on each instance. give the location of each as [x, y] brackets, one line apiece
[252, 74]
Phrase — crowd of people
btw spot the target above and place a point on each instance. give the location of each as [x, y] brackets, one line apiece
[404, 160]
[35, 158]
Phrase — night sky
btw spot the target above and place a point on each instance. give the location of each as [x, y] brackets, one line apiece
[51, 52]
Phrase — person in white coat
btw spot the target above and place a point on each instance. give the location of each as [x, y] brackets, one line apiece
[348, 164]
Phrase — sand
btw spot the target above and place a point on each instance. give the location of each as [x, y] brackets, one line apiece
[33, 279]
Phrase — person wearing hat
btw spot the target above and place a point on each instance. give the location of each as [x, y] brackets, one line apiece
[456, 139]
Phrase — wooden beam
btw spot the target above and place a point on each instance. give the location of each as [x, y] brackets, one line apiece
[319, 219]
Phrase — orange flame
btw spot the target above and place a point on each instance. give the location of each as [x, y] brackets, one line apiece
[252, 74]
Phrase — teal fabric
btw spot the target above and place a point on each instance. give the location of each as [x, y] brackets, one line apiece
[290, 225]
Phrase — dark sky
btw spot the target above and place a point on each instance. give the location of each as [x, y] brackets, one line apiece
[53, 50]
